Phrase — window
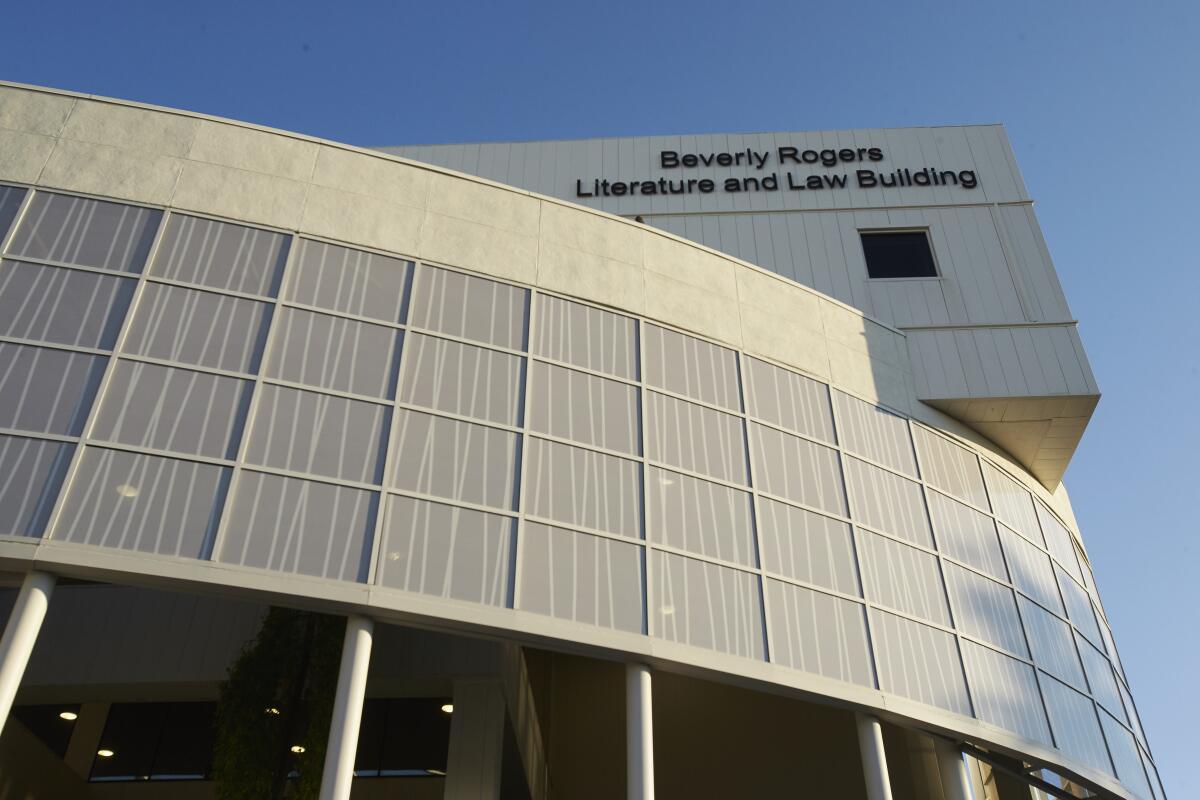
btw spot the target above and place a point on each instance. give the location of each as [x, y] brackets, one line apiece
[156, 741]
[898, 254]
[404, 737]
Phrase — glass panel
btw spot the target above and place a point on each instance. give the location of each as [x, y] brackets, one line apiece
[91, 233]
[447, 551]
[221, 255]
[1073, 720]
[585, 488]
[819, 633]
[807, 547]
[456, 460]
[350, 281]
[695, 438]
[951, 468]
[334, 352]
[903, 578]
[31, 474]
[462, 379]
[688, 366]
[797, 469]
[967, 535]
[47, 391]
[173, 409]
[10, 204]
[1052, 644]
[1100, 678]
[303, 527]
[1005, 692]
[985, 609]
[470, 307]
[898, 254]
[1012, 504]
[879, 435]
[1079, 608]
[318, 434]
[584, 408]
[885, 501]
[1058, 541]
[582, 578]
[586, 337]
[1124, 751]
[789, 400]
[705, 605]
[62, 306]
[701, 517]
[1031, 570]
[919, 662]
[201, 328]
[146, 503]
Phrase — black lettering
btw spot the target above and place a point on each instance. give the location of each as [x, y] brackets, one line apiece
[791, 182]
[875, 154]
[836, 181]
[815, 156]
[771, 183]
[948, 177]
[829, 158]
[866, 178]
[752, 183]
[967, 178]
[669, 159]
[649, 187]
[846, 154]
[725, 160]
[789, 154]
[619, 188]
[707, 159]
[707, 186]
[689, 160]
[861, 153]
[916, 178]
[733, 185]
[579, 192]
[815, 182]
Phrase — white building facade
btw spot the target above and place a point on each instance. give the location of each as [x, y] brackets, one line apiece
[775, 417]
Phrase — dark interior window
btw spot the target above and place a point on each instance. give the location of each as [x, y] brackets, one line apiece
[156, 741]
[48, 724]
[405, 736]
[898, 254]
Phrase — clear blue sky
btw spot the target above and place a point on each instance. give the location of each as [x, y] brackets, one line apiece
[1099, 98]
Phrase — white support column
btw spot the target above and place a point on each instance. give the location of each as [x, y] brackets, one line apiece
[639, 733]
[874, 759]
[475, 761]
[956, 782]
[20, 634]
[347, 710]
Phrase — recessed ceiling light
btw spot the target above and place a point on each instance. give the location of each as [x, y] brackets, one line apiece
[271, 712]
[104, 752]
[448, 708]
[297, 748]
[127, 490]
[69, 716]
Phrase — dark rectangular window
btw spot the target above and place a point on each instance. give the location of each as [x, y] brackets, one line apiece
[156, 741]
[898, 254]
[403, 737]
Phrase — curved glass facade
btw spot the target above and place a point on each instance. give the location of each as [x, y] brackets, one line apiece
[186, 387]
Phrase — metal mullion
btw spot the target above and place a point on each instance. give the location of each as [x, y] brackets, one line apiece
[906, 615]
[18, 218]
[325, 390]
[659, 390]
[858, 565]
[253, 407]
[549, 437]
[70, 348]
[312, 477]
[643, 438]
[258, 298]
[109, 444]
[184, 365]
[693, 555]
[45, 262]
[390, 465]
[24, 434]
[750, 418]
[959, 500]
[469, 342]
[1037, 681]
[450, 501]
[93, 414]
[437, 412]
[815, 587]
[941, 563]
[329, 312]
[575, 527]
[553, 362]
[522, 522]
[755, 522]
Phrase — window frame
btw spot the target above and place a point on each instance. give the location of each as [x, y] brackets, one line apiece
[937, 268]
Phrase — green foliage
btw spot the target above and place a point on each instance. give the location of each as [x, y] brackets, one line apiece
[291, 668]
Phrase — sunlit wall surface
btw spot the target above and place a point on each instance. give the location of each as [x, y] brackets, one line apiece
[193, 388]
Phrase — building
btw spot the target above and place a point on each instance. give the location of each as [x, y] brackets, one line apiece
[757, 495]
